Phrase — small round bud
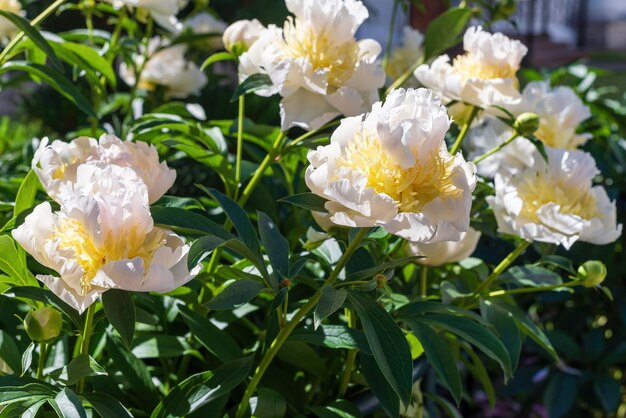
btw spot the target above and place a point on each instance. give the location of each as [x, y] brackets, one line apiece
[381, 281]
[526, 124]
[285, 282]
[239, 36]
[505, 9]
[43, 325]
[592, 273]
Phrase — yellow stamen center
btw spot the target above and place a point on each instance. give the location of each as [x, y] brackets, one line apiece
[411, 187]
[467, 66]
[539, 190]
[551, 133]
[322, 53]
[92, 256]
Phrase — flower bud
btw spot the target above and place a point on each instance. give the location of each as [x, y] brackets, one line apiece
[505, 9]
[592, 273]
[239, 36]
[526, 124]
[381, 281]
[43, 325]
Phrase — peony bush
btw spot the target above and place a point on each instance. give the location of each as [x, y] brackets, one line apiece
[276, 217]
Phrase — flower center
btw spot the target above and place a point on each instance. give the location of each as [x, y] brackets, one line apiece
[71, 235]
[412, 188]
[553, 135]
[539, 190]
[337, 61]
[467, 66]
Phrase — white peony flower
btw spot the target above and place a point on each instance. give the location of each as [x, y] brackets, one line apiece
[483, 76]
[555, 202]
[391, 168]
[57, 164]
[162, 11]
[7, 28]
[315, 63]
[242, 32]
[439, 253]
[560, 112]
[166, 67]
[403, 58]
[103, 238]
[205, 23]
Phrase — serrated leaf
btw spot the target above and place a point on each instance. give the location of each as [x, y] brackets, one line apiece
[331, 299]
[389, 347]
[236, 294]
[120, 311]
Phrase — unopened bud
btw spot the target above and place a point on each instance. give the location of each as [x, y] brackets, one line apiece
[381, 281]
[505, 9]
[43, 325]
[526, 124]
[285, 282]
[239, 36]
[592, 273]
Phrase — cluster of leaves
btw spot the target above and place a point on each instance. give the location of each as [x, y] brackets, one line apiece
[193, 351]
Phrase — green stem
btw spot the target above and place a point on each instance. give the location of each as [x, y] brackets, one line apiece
[239, 145]
[309, 134]
[43, 355]
[291, 325]
[116, 32]
[86, 339]
[496, 149]
[459, 140]
[40, 18]
[500, 268]
[260, 172]
[424, 281]
[532, 289]
[350, 358]
[392, 25]
[405, 76]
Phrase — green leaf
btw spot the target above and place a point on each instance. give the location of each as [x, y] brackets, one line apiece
[218, 342]
[478, 370]
[80, 367]
[237, 294]
[504, 323]
[135, 372]
[201, 248]
[67, 405]
[440, 357]
[240, 221]
[160, 346]
[333, 336]
[219, 56]
[12, 264]
[380, 387]
[308, 201]
[199, 389]
[476, 334]
[9, 352]
[253, 83]
[268, 404]
[560, 394]
[527, 326]
[107, 406]
[607, 390]
[86, 58]
[445, 406]
[276, 245]
[26, 193]
[444, 32]
[389, 347]
[27, 358]
[34, 35]
[120, 311]
[531, 276]
[55, 79]
[32, 392]
[367, 273]
[331, 299]
[188, 222]
[429, 307]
